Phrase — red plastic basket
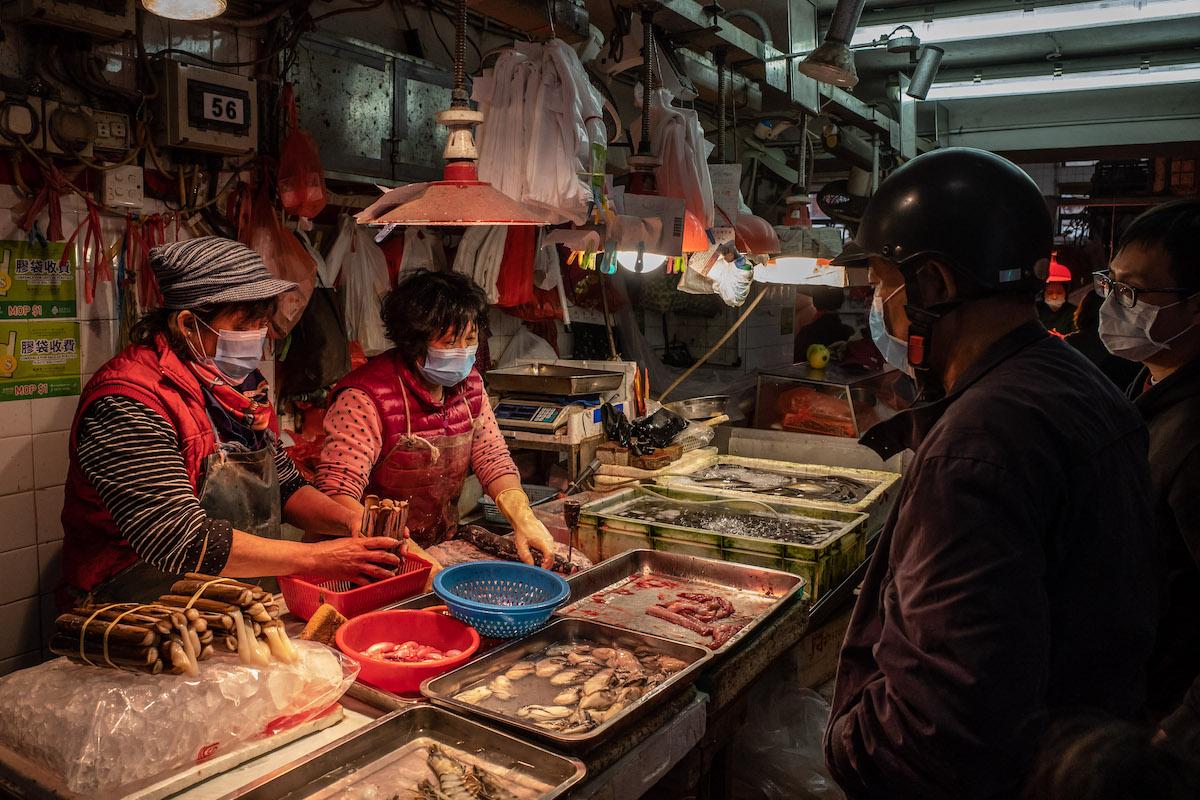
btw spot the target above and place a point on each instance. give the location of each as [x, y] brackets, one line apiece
[305, 593]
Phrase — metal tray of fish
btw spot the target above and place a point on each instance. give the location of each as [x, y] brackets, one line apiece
[573, 683]
[621, 590]
[421, 753]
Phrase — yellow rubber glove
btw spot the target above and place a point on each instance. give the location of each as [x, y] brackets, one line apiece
[412, 547]
[528, 530]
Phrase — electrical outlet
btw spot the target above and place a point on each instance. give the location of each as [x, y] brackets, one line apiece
[21, 117]
[112, 131]
[70, 129]
[123, 188]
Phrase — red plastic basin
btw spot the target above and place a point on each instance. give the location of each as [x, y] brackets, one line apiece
[427, 627]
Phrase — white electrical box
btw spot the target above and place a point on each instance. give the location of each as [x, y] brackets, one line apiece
[206, 109]
[123, 187]
[21, 118]
[112, 131]
[70, 129]
[116, 18]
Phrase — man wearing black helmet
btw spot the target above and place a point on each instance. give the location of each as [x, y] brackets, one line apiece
[1002, 593]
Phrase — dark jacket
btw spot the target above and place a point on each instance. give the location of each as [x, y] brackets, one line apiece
[1171, 409]
[1001, 592]
[1061, 321]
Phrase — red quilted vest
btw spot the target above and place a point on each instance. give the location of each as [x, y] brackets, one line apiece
[380, 379]
[93, 548]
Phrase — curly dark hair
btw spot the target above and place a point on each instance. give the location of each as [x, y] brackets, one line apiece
[425, 305]
[158, 320]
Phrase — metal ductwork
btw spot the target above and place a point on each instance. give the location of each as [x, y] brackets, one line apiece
[833, 61]
[764, 30]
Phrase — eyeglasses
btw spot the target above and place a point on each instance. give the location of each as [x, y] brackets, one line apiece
[1128, 295]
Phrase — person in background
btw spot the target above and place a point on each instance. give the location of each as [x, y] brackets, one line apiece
[1093, 759]
[1151, 315]
[175, 464]
[821, 324]
[1054, 310]
[991, 602]
[409, 423]
[1086, 339]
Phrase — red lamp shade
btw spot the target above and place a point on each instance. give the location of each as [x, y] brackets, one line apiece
[460, 199]
[754, 235]
[1058, 272]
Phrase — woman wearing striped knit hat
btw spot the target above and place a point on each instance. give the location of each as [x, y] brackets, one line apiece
[175, 464]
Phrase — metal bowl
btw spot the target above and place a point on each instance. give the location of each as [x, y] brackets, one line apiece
[699, 409]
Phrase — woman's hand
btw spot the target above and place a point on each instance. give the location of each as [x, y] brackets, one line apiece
[533, 534]
[359, 559]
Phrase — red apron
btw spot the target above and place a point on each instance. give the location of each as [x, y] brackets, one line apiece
[428, 471]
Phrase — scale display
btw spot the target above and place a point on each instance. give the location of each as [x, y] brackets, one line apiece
[530, 415]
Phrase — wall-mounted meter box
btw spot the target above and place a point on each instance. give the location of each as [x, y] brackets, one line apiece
[114, 18]
[206, 109]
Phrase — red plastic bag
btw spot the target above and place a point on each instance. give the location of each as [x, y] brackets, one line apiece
[515, 281]
[285, 257]
[301, 176]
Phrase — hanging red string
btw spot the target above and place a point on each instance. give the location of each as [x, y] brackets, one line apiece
[48, 198]
[93, 260]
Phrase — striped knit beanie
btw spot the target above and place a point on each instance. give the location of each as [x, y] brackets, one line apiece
[211, 270]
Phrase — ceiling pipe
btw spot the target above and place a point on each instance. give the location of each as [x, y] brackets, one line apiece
[833, 61]
[764, 30]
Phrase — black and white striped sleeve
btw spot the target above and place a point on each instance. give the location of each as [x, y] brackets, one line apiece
[131, 457]
[290, 479]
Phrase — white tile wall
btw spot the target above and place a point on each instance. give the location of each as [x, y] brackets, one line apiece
[48, 505]
[50, 459]
[18, 521]
[16, 464]
[20, 631]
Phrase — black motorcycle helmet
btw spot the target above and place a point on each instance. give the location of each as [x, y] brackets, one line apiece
[975, 211]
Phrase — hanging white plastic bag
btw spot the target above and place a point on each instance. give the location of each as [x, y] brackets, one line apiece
[365, 281]
[422, 250]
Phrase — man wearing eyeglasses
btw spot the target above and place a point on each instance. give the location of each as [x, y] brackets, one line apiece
[1151, 314]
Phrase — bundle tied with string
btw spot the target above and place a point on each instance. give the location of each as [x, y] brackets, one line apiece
[177, 632]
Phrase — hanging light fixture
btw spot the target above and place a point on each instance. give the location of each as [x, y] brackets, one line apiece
[925, 71]
[185, 9]
[460, 198]
[832, 62]
[643, 163]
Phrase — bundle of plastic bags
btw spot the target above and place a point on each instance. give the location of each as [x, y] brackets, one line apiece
[677, 139]
[363, 269]
[541, 118]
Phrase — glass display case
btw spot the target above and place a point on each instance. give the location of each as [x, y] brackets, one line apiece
[836, 401]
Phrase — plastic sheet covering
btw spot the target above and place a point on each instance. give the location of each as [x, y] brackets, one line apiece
[105, 732]
[779, 755]
[541, 117]
[364, 273]
[677, 138]
[286, 258]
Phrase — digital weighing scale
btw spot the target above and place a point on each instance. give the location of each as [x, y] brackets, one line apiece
[544, 397]
[542, 414]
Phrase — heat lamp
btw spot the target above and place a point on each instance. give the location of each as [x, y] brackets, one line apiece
[460, 198]
[833, 62]
[185, 9]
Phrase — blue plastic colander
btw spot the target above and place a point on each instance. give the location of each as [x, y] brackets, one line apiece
[499, 599]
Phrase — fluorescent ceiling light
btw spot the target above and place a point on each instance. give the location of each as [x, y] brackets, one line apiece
[1047, 19]
[1082, 81]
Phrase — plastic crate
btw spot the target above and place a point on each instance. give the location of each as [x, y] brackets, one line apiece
[536, 492]
[305, 593]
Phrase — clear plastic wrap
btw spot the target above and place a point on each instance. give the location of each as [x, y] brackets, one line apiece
[106, 731]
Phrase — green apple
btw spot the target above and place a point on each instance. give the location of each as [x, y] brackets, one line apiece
[818, 356]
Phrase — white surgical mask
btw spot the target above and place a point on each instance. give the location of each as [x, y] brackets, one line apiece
[1056, 303]
[893, 348]
[238, 352]
[1125, 332]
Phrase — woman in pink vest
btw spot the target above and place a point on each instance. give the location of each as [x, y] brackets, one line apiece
[175, 465]
[410, 423]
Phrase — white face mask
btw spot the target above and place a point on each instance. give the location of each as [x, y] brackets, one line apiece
[1125, 332]
[238, 352]
[1056, 303]
[893, 348]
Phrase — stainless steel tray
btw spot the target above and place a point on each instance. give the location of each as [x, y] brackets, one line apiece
[395, 745]
[552, 379]
[442, 689]
[608, 592]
